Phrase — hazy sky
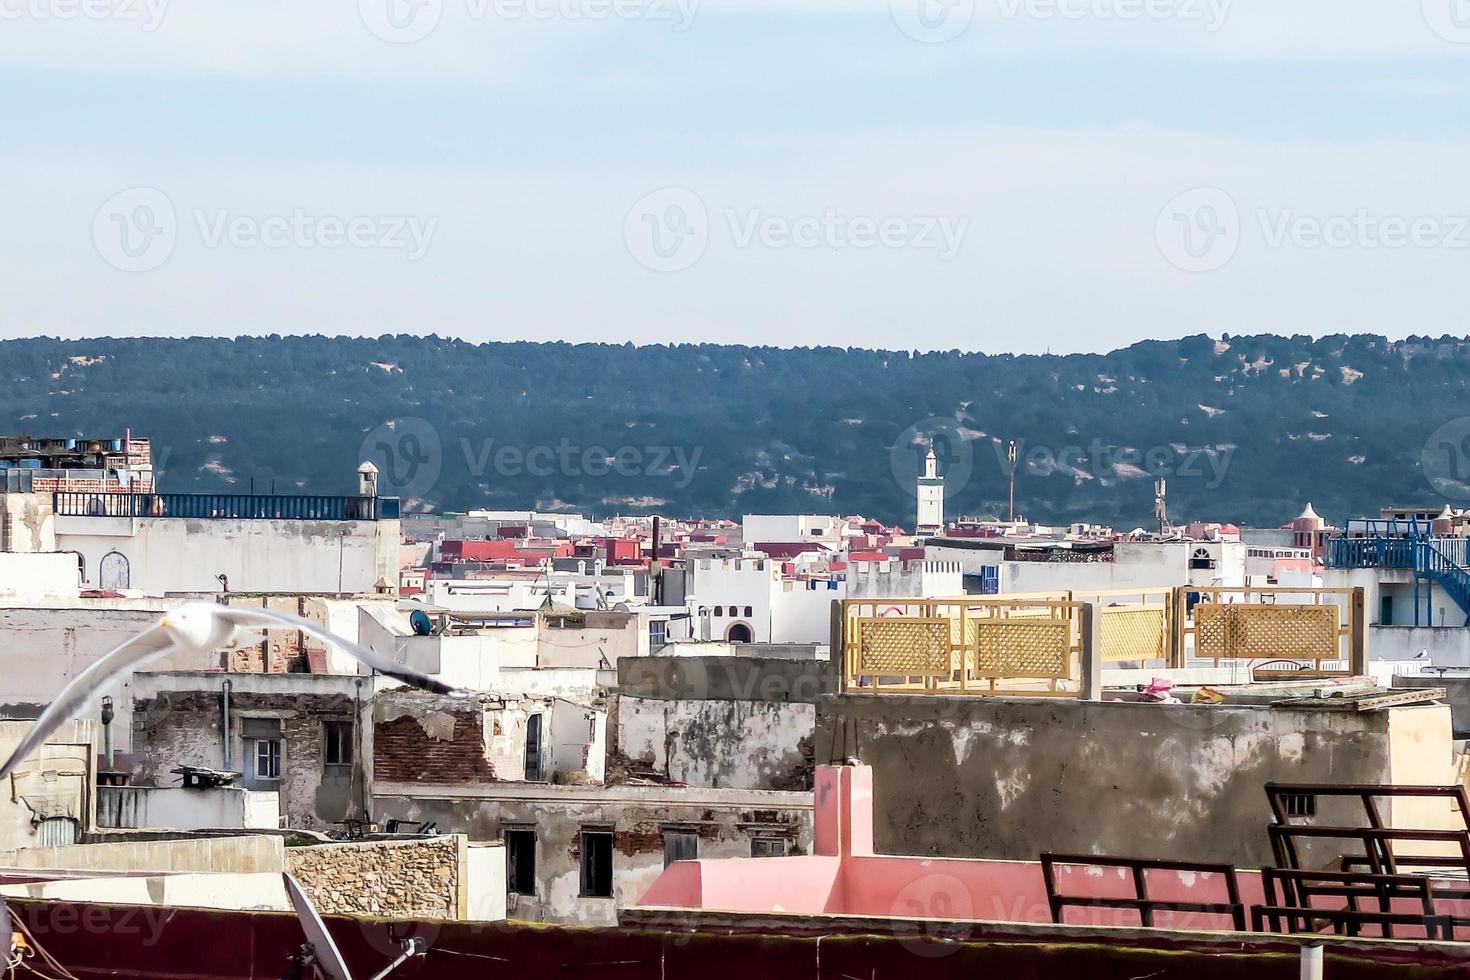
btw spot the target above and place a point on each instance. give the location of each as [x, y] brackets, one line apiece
[982, 174]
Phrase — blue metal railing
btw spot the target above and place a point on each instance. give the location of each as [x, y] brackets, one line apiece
[1371, 552]
[226, 506]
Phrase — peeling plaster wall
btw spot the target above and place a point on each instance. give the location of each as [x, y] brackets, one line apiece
[722, 721]
[638, 817]
[720, 744]
[173, 728]
[1012, 778]
[427, 738]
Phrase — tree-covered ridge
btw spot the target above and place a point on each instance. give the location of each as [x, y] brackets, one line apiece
[1244, 428]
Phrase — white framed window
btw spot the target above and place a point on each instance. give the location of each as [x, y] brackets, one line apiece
[267, 758]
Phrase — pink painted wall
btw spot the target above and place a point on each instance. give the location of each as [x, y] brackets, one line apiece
[846, 877]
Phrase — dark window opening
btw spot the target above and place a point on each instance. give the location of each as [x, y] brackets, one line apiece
[680, 845]
[338, 751]
[739, 633]
[533, 749]
[1300, 804]
[767, 847]
[520, 862]
[597, 864]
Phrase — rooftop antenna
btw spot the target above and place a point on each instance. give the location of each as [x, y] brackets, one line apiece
[1011, 458]
[320, 953]
[1161, 505]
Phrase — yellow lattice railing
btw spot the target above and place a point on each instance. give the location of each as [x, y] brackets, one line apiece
[982, 646]
[1314, 630]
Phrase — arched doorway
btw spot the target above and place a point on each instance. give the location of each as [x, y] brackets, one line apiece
[739, 633]
[114, 574]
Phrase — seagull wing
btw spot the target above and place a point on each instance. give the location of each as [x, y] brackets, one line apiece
[119, 661]
[256, 619]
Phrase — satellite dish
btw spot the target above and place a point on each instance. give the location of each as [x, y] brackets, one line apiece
[328, 959]
[420, 622]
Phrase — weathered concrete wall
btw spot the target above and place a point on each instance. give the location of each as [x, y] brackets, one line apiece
[421, 737]
[1012, 778]
[1457, 694]
[720, 744]
[245, 854]
[725, 821]
[27, 522]
[418, 878]
[177, 808]
[721, 722]
[178, 719]
[724, 678]
[46, 647]
[178, 555]
[56, 781]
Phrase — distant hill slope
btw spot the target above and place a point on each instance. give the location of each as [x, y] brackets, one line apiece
[1244, 428]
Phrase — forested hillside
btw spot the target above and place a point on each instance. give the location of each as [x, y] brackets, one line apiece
[1244, 428]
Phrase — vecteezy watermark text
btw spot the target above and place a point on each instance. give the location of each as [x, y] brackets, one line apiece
[408, 21]
[1201, 229]
[668, 230]
[138, 229]
[569, 459]
[148, 14]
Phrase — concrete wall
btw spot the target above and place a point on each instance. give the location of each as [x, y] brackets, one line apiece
[181, 555]
[1012, 778]
[244, 854]
[236, 892]
[46, 647]
[56, 782]
[1443, 646]
[178, 719]
[421, 879]
[720, 722]
[1457, 695]
[39, 576]
[724, 821]
[27, 522]
[176, 808]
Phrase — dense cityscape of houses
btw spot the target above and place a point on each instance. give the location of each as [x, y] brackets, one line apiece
[822, 718]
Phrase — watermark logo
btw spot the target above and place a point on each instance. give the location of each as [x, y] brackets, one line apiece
[136, 230]
[929, 915]
[148, 14]
[1445, 459]
[667, 230]
[954, 455]
[401, 21]
[408, 455]
[1199, 230]
[409, 21]
[1450, 19]
[932, 21]
[670, 229]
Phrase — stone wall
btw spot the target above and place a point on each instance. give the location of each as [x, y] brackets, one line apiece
[419, 878]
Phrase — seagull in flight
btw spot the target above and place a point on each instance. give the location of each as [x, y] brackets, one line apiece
[197, 628]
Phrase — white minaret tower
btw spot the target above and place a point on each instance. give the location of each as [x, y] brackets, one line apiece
[931, 497]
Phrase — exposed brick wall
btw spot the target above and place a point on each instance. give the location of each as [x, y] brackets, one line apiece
[419, 878]
[432, 747]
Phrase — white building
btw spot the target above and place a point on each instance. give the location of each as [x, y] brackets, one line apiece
[930, 491]
[816, 528]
